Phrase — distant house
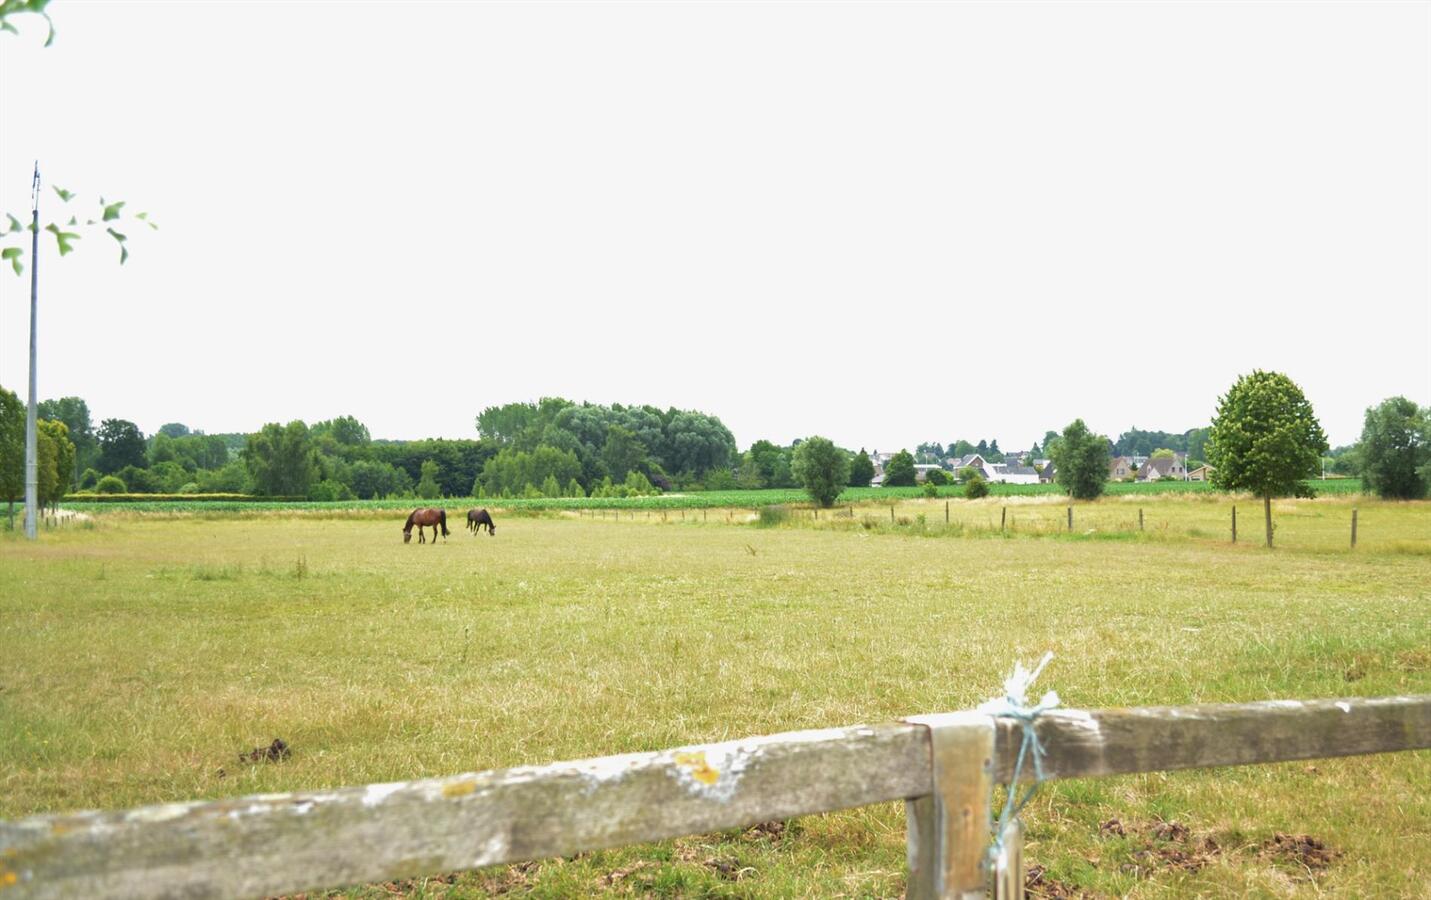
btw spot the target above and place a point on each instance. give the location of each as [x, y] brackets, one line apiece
[1162, 467]
[1201, 473]
[1006, 474]
[1120, 467]
[969, 461]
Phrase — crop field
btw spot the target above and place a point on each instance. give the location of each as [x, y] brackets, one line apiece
[141, 653]
[748, 499]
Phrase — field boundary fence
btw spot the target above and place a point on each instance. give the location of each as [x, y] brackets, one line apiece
[942, 766]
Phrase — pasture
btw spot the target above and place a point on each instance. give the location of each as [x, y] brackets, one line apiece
[143, 653]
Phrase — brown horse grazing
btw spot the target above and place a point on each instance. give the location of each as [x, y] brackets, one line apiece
[437, 518]
[476, 518]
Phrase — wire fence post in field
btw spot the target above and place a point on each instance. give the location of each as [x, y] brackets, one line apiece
[1234, 524]
[1003, 517]
[891, 512]
[1070, 518]
[946, 512]
[1140, 518]
[1353, 527]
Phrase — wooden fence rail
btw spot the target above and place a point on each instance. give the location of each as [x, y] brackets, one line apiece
[276, 843]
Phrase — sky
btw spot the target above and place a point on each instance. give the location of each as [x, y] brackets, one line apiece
[884, 223]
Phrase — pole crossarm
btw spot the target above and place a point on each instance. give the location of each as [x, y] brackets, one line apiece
[282, 843]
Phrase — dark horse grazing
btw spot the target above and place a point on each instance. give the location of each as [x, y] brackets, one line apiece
[476, 518]
[437, 518]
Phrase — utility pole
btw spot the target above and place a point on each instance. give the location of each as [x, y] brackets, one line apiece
[32, 512]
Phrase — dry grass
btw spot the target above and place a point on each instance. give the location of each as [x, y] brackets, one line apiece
[142, 656]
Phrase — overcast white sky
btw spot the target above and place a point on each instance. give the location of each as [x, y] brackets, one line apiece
[883, 223]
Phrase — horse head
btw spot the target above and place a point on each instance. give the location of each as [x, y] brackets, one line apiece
[406, 536]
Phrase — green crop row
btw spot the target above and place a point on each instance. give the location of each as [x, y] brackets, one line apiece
[748, 499]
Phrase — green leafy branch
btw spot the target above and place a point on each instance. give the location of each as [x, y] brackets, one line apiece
[109, 217]
[10, 8]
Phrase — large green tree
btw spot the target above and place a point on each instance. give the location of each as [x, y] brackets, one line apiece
[1265, 439]
[900, 471]
[1395, 449]
[622, 452]
[822, 468]
[1080, 461]
[57, 462]
[861, 469]
[281, 460]
[12, 451]
[121, 444]
[74, 412]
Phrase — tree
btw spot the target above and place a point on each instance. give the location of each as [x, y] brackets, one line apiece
[55, 482]
[281, 459]
[427, 485]
[622, 451]
[862, 469]
[121, 444]
[175, 430]
[12, 450]
[74, 412]
[899, 471]
[1080, 461]
[822, 468]
[1395, 449]
[938, 476]
[1265, 439]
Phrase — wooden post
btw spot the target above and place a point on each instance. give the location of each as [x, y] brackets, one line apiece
[1353, 527]
[949, 829]
[1234, 524]
[946, 512]
[891, 512]
[1267, 508]
[1070, 518]
[1140, 518]
[1003, 517]
[1009, 867]
[705, 515]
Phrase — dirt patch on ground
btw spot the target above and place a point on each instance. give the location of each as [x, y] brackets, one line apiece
[1301, 850]
[1038, 883]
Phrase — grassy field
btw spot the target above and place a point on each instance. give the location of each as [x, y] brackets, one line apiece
[143, 653]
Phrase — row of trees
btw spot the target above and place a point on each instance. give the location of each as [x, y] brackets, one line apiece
[54, 456]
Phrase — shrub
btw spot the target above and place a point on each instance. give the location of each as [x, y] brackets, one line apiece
[976, 487]
[938, 476]
[770, 516]
[931, 489]
[111, 484]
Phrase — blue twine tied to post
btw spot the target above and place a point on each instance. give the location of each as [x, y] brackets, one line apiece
[1014, 705]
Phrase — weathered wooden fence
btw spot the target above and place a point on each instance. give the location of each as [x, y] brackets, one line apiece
[941, 765]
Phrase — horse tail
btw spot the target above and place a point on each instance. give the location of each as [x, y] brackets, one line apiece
[442, 518]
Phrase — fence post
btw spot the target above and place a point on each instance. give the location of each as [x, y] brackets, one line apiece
[1003, 517]
[946, 512]
[1353, 527]
[1234, 524]
[949, 829]
[1070, 518]
[1140, 518]
[891, 512]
